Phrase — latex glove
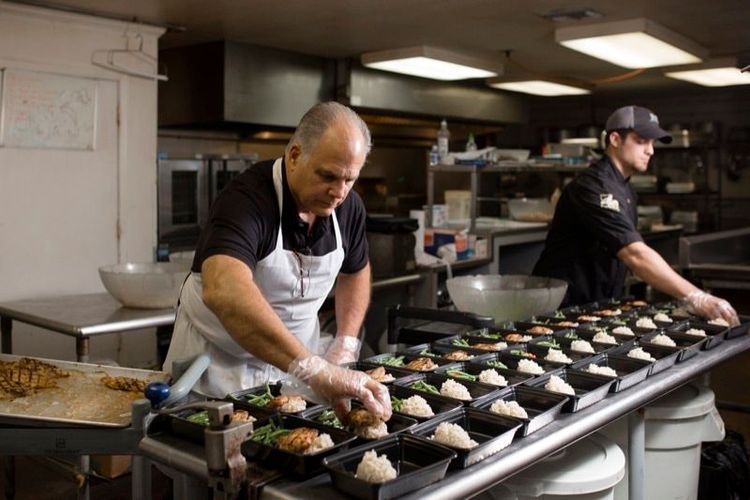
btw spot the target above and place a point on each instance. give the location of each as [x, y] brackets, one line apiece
[710, 307]
[343, 349]
[337, 385]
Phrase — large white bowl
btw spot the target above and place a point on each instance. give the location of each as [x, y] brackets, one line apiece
[153, 285]
[506, 297]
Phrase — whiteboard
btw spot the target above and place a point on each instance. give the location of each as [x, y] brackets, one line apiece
[46, 110]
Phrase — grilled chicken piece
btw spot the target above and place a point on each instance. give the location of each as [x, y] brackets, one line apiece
[540, 330]
[46, 369]
[380, 375]
[360, 417]
[11, 390]
[29, 378]
[126, 384]
[242, 416]
[421, 364]
[607, 312]
[588, 317]
[458, 355]
[298, 440]
[485, 346]
[287, 404]
[516, 337]
[569, 324]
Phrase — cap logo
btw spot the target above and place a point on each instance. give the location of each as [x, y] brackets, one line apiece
[652, 118]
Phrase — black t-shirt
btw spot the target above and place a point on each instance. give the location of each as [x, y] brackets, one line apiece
[595, 218]
[244, 223]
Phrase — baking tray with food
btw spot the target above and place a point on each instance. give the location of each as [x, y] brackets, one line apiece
[627, 372]
[582, 389]
[548, 348]
[269, 397]
[660, 357]
[714, 334]
[472, 433]
[192, 423]
[481, 373]
[689, 345]
[52, 393]
[407, 361]
[534, 407]
[442, 385]
[295, 445]
[380, 373]
[420, 405]
[388, 468]
[361, 422]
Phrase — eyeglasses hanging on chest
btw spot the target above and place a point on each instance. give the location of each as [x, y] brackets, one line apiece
[302, 286]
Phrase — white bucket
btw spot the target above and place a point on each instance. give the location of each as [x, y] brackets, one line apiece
[676, 425]
[587, 470]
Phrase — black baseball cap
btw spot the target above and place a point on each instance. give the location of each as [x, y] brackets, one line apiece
[641, 120]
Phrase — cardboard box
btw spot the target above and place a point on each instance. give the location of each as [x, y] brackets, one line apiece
[111, 466]
[434, 238]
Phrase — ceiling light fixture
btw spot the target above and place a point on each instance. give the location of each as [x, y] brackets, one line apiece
[714, 73]
[634, 43]
[432, 62]
[539, 87]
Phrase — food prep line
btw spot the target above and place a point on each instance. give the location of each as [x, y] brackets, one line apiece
[557, 435]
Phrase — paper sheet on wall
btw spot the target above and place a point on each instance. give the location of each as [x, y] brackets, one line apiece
[45, 110]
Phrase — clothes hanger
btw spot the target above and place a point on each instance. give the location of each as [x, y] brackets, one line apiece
[120, 59]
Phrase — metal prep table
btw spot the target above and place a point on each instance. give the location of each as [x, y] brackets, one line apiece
[550, 439]
[80, 316]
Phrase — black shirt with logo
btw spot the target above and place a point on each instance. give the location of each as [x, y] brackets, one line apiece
[244, 223]
[595, 218]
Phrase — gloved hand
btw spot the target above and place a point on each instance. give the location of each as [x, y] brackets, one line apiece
[710, 307]
[336, 386]
[343, 349]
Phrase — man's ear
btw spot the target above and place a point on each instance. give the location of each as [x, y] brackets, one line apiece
[294, 155]
[615, 139]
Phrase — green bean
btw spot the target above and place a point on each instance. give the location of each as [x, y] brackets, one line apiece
[394, 361]
[423, 386]
[328, 417]
[200, 418]
[461, 343]
[496, 364]
[462, 375]
[396, 403]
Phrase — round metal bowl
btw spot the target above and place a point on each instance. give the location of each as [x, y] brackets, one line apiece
[506, 297]
[145, 285]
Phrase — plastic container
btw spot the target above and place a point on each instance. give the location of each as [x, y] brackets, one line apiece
[589, 388]
[542, 407]
[417, 461]
[443, 139]
[587, 470]
[471, 144]
[459, 205]
[676, 425]
[531, 209]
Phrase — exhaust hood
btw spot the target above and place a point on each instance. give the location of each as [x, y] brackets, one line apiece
[239, 86]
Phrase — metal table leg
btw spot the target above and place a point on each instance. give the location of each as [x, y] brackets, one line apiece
[82, 349]
[636, 455]
[141, 478]
[84, 462]
[6, 327]
[9, 473]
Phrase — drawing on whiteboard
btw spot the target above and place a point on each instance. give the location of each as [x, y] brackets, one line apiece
[45, 110]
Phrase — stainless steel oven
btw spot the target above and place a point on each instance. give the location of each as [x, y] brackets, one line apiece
[187, 187]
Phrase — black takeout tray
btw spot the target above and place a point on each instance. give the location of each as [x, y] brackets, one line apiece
[589, 388]
[492, 433]
[541, 406]
[439, 404]
[665, 356]
[630, 371]
[689, 345]
[477, 391]
[418, 462]
[512, 376]
[398, 423]
[297, 465]
[179, 424]
[240, 398]
[363, 366]
[379, 359]
[715, 334]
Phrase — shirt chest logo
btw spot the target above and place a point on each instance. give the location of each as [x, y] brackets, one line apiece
[606, 200]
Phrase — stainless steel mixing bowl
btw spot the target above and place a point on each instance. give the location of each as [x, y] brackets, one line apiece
[507, 297]
[154, 285]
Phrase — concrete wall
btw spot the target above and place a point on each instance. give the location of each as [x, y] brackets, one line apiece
[64, 213]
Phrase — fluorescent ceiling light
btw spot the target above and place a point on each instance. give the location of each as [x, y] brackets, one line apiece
[715, 73]
[431, 62]
[635, 43]
[538, 87]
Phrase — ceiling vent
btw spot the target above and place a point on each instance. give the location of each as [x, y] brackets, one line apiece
[573, 14]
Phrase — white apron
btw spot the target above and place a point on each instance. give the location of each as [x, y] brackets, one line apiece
[296, 300]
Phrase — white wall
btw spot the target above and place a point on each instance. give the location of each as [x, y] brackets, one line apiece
[64, 213]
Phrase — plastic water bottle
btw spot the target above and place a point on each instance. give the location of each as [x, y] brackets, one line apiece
[471, 145]
[443, 137]
[434, 155]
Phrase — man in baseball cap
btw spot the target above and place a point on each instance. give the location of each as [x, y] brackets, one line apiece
[640, 120]
[593, 240]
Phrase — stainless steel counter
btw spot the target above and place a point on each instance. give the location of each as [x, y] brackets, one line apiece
[80, 316]
[557, 435]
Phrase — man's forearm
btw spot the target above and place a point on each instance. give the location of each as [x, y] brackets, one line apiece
[230, 292]
[649, 266]
[352, 300]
